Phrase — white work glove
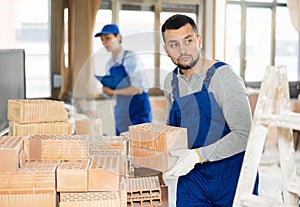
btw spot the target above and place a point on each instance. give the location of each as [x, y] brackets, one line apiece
[187, 158]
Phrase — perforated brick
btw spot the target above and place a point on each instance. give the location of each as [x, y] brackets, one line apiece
[150, 145]
[56, 147]
[90, 199]
[157, 137]
[35, 111]
[34, 177]
[104, 173]
[91, 127]
[10, 147]
[28, 200]
[108, 143]
[16, 129]
[72, 176]
[152, 159]
[143, 191]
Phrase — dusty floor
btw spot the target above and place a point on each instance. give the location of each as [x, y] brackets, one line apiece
[270, 175]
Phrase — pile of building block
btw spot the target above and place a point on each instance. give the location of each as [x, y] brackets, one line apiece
[144, 191]
[45, 168]
[52, 169]
[25, 183]
[150, 145]
[56, 147]
[37, 117]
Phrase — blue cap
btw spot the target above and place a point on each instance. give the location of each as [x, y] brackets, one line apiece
[108, 29]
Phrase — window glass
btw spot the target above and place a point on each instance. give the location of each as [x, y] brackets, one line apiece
[281, 1]
[258, 43]
[137, 28]
[26, 26]
[260, 1]
[233, 37]
[103, 17]
[287, 44]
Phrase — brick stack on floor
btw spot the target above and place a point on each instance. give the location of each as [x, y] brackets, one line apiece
[37, 116]
[80, 170]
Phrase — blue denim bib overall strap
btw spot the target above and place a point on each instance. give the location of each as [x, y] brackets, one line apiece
[129, 110]
[210, 183]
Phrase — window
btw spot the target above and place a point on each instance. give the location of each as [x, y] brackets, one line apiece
[287, 44]
[258, 34]
[26, 25]
[258, 43]
[138, 35]
[137, 26]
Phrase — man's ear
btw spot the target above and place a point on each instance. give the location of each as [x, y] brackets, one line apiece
[119, 37]
[199, 37]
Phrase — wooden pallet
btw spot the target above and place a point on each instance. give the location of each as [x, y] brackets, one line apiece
[274, 94]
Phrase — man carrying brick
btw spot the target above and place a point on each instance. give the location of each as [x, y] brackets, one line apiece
[210, 100]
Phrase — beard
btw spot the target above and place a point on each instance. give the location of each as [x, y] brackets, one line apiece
[188, 66]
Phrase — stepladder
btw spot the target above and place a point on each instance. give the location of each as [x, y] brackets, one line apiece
[272, 109]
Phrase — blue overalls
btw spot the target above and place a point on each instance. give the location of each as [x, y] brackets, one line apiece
[129, 110]
[210, 183]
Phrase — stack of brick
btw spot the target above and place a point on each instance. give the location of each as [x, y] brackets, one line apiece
[95, 182]
[150, 145]
[90, 168]
[37, 117]
[56, 147]
[22, 183]
[110, 146]
[144, 191]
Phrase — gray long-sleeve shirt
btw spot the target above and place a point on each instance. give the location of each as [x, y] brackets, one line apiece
[231, 95]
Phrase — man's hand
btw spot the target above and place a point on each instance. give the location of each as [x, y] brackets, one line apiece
[187, 158]
[108, 91]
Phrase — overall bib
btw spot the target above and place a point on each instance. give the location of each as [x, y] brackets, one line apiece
[210, 183]
[129, 110]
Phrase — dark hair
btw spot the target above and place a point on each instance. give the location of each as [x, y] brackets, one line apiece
[176, 21]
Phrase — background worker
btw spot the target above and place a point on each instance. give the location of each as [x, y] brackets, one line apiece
[210, 100]
[132, 101]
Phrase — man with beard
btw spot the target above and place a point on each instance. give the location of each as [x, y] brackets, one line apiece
[210, 100]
